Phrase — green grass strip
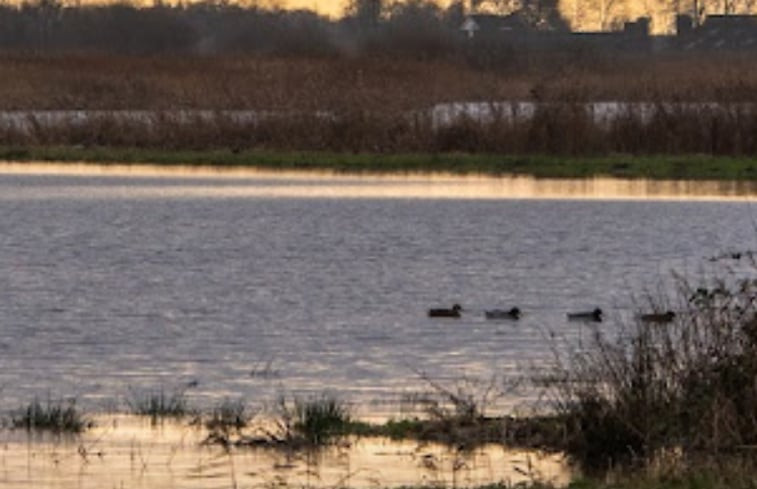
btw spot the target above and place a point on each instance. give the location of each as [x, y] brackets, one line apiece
[658, 167]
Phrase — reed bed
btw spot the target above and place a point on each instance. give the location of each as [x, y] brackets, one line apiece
[565, 129]
[258, 82]
[669, 106]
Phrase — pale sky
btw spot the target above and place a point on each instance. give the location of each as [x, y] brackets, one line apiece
[332, 8]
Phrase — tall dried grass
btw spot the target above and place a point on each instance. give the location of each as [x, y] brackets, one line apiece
[688, 387]
[704, 106]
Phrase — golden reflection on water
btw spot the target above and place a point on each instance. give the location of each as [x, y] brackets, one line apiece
[129, 452]
[208, 182]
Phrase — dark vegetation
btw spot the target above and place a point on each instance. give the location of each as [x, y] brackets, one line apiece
[158, 404]
[702, 477]
[57, 416]
[418, 29]
[210, 27]
[299, 423]
[317, 420]
[228, 416]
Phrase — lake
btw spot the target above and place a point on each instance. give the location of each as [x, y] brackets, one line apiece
[250, 285]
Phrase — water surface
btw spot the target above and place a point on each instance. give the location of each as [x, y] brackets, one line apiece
[129, 452]
[248, 285]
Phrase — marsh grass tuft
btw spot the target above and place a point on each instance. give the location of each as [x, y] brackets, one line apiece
[227, 416]
[56, 416]
[321, 419]
[295, 424]
[158, 404]
[310, 423]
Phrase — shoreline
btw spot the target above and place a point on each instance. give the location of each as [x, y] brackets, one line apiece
[251, 182]
[620, 166]
[132, 451]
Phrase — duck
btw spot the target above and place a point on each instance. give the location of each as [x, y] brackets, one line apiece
[595, 315]
[658, 317]
[452, 312]
[513, 313]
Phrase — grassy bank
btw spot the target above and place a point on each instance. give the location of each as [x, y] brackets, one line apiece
[694, 479]
[696, 167]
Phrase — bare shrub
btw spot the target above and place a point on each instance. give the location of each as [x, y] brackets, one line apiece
[688, 385]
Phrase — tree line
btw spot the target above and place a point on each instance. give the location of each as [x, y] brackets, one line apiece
[211, 27]
[418, 28]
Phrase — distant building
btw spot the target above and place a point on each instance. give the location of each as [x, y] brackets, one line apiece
[638, 28]
[514, 29]
[717, 33]
[490, 25]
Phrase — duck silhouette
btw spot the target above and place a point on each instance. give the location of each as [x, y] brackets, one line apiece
[513, 313]
[658, 317]
[595, 315]
[452, 312]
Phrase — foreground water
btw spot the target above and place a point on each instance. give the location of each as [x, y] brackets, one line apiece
[131, 453]
[252, 285]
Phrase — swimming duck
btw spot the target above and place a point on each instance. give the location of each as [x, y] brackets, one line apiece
[658, 317]
[513, 313]
[453, 312]
[595, 315]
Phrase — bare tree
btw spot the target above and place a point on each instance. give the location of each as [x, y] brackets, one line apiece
[366, 12]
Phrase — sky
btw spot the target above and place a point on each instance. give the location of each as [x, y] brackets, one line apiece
[332, 8]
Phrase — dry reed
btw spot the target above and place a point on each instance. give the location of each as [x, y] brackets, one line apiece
[687, 387]
[374, 104]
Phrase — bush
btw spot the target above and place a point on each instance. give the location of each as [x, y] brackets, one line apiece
[689, 385]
